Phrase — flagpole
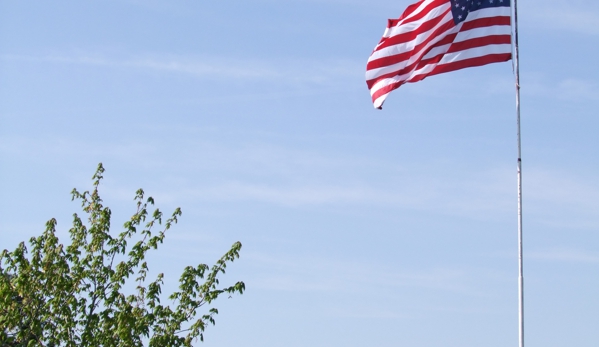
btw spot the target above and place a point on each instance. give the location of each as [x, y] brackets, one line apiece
[520, 251]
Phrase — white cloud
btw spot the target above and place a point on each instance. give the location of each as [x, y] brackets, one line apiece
[564, 199]
[322, 71]
[565, 189]
[330, 275]
[498, 79]
[567, 17]
[52, 147]
[565, 255]
[289, 177]
[570, 89]
[577, 89]
[481, 195]
[294, 196]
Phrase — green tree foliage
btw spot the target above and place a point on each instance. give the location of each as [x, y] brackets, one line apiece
[75, 295]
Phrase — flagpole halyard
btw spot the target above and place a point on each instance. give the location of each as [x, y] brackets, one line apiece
[520, 248]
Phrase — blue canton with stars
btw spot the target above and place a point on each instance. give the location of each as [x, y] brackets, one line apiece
[461, 8]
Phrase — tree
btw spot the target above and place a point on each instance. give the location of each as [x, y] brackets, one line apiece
[75, 295]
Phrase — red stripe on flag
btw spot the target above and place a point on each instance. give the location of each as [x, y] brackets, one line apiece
[472, 62]
[388, 71]
[386, 90]
[412, 8]
[417, 64]
[485, 22]
[398, 58]
[410, 36]
[480, 42]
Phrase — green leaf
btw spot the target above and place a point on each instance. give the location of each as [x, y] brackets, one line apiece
[72, 295]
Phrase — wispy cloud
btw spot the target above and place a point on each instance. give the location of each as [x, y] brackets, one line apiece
[291, 177]
[567, 16]
[497, 80]
[309, 177]
[282, 72]
[561, 199]
[570, 89]
[563, 191]
[296, 196]
[565, 255]
[482, 196]
[42, 148]
[332, 275]
[577, 89]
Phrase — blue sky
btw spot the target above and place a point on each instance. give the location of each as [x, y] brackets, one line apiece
[360, 227]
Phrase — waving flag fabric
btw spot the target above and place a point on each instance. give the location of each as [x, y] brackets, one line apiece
[437, 36]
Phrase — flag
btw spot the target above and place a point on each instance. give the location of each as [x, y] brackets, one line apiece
[437, 36]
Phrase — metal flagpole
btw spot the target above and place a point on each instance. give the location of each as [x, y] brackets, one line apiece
[520, 251]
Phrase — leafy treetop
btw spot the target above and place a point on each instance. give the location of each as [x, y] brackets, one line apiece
[73, 295]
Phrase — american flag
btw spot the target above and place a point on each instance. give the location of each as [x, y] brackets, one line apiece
[437, 36]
